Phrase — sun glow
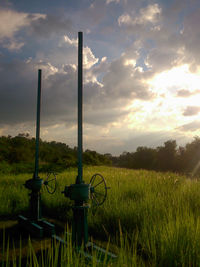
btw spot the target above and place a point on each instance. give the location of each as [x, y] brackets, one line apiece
[169, 83]
[166, 110]
[175, 79]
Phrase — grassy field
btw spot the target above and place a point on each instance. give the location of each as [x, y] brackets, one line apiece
[151, 218]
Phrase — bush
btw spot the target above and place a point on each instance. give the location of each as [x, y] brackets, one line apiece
[5, 167]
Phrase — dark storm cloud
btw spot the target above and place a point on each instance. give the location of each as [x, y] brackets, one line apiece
[18, 90]
[60, 93]
[191, 110]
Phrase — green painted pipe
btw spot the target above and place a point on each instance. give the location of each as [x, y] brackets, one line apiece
[80, 106]
[38, 125]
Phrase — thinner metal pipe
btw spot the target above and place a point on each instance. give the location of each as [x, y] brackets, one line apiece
[38, 124]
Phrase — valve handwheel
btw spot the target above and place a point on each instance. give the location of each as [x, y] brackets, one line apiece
[50, 182]
[98, 189]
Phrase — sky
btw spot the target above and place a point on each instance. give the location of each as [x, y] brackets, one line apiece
[141, 71]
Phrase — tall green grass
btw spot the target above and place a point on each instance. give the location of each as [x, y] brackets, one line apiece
[158, 214]
[64, 254]
[13, 196]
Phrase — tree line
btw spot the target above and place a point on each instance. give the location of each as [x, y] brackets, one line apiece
[17, 155]
[168, 157]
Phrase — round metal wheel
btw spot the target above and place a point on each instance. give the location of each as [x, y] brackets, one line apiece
[98, 189]
[50, 182]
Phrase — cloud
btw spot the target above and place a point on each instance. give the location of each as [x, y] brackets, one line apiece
[190, 127]
[191, 37]
[59, 96]
[104, 116]
[191, 111]
[105, 102]
[175, 43]
[97, 70]
[47, 25]
[92, 15]
[11, 22]
[117, 90]
[72, 42]
[149, 14]
[125, 82]
[135, 138]
[110, 1]
[159, 44]
[13, 45]
[186, 93]
[59, 86]
[168, 38]
[163, 58]
[89, 58]
[65, 52]
[17, 94]
[34, 24]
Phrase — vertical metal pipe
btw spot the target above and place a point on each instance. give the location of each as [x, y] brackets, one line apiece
[38, 124]
[80, 106]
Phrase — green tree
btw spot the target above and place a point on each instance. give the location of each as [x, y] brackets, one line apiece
[144, 158]
[167, 156]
